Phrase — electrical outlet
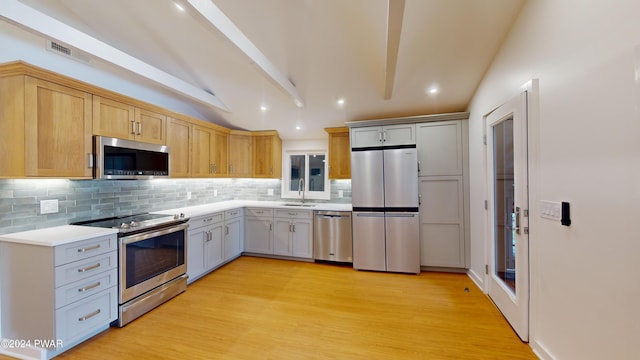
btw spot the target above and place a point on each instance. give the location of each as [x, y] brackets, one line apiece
[270, 192]
[49, 206]
[340, 193]
[215, 192]
[188, 195]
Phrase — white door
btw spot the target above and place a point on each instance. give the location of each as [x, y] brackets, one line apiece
[508, 207]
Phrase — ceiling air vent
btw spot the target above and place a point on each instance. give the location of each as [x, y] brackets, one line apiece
[66, 51]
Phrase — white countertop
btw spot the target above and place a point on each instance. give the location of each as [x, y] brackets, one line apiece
[58, 235]
[200, 210]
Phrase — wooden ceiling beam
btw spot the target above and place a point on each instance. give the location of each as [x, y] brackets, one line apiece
[214, 16]
[48, 27]
[395, 15]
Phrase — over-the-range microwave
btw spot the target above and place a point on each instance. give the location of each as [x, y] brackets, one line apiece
[127, 159]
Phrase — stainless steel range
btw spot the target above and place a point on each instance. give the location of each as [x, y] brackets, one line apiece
[152, 260]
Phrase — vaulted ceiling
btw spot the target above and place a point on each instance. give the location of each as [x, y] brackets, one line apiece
[294, 58]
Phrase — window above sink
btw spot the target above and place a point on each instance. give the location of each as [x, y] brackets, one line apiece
[305, 176]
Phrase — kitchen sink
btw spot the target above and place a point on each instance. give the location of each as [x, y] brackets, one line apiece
[300, 205]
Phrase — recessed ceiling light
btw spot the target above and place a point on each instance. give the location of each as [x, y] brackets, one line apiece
[263, 108]
[433, 90]
[298, 127]
[179, 7]
[340, 102]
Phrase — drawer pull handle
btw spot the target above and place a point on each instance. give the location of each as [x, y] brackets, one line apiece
[87, 288]
[94, 247]
[89, 316]
[89, 268]
[293, 214]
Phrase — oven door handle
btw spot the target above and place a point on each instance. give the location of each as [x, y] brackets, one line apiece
[151, 234]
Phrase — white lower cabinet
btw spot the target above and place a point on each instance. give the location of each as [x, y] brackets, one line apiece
[213, 240]
[54, 297]
[258, 231]
[442, 236]
[233, 233]
[205, 244]
[293, 233]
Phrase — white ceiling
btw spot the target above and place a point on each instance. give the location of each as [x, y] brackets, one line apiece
[329, 49]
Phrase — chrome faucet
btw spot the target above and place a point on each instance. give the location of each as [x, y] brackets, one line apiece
[301, 188]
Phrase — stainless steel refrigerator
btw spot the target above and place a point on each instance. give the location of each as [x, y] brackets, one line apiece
[384, 189]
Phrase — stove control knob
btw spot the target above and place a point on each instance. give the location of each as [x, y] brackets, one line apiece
[124, 225]
[181, 215]
[176, 216]
[133, 224]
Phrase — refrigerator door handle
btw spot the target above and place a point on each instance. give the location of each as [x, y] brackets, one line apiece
[400, 215]
[370, 214]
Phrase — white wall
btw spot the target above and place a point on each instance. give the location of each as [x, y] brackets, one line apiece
[585, 149]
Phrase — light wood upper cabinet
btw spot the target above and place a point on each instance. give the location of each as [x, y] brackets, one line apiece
[116, 119]
[12, 127]
[210, 153]
[339, 153]
[151, 127]
[179, 140]
[267, 154]
[113, 118]
[58, 130]
[220, 154]
[240, 154]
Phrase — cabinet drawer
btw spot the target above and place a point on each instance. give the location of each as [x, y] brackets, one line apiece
[294, 214]
[86, 316]
[68, 273]
[78, 290]
[206, 220]
[79, 250]
[232, 214]
[260, 212]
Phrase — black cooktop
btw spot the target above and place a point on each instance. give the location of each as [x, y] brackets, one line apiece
[134, 222]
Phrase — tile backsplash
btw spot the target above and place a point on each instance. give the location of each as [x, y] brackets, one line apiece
[86, 199]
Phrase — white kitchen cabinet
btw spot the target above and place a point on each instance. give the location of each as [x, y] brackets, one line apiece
[204, 247]
[388, 135]
[293, 233]
[233, 227]
[258, 231]
[442, 222]
[440, 148]
[443, 188]
[63, 294]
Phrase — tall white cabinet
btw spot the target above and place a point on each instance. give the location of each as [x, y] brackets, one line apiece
[443, 188]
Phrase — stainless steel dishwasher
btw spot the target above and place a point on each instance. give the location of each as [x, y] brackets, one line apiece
[332, 236]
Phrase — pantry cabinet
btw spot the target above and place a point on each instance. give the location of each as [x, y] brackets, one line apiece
[443, 188]
[58, 130]
[339, 153]
[267, 154]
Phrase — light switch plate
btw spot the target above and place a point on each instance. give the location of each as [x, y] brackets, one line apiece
[270, 192]
[215, 192]
[49, 206]
[188, 195]
[551, 210]
[340, 193]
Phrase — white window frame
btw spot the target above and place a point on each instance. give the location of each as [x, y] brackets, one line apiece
[286, 175]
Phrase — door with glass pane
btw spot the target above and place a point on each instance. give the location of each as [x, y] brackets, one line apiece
[508, 275]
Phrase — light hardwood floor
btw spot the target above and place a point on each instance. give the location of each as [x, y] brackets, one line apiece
[256, 308]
